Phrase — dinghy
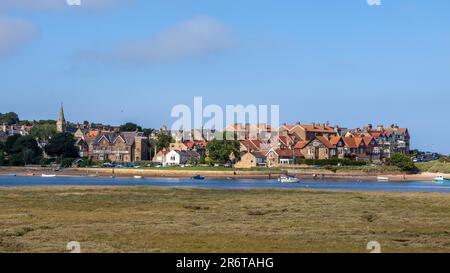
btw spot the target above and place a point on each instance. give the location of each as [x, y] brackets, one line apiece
[198, 177]
[288, 179]
[441, 179]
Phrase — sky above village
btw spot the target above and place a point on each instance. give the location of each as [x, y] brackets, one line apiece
[345, 62]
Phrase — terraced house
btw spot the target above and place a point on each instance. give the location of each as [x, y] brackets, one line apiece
[322, 141]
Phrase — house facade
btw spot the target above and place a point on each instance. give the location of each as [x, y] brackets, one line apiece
[250, 160]
[119, 147]
[174, 158]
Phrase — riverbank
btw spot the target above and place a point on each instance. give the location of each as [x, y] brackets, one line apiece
[142, 219]
[306, 173]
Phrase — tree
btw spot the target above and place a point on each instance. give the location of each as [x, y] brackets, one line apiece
[43, 131]
[10, 141]
[220, 150]
[163, 141]
[2, 159]
[22, 150]
[130, 127]
[148, 131]
[9, 118]
[62, 145]
[403, 162]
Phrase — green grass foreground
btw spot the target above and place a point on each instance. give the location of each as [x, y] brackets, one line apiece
[141, 219]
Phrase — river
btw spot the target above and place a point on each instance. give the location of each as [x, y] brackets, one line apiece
[26, 181]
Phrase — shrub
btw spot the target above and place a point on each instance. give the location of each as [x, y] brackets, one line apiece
[66, 162]
[3, 160]
[85, 163]
[46, 161]
[404, 162]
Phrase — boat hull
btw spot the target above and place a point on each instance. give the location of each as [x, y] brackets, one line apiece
[288, 180]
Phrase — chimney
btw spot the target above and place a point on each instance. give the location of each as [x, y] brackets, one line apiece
[380, 127]
[369, 127]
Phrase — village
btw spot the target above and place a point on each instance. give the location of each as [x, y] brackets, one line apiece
[254, 145]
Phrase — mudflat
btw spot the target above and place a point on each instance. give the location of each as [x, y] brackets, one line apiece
[143, 219]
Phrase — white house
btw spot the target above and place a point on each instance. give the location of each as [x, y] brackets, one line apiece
[181, 157]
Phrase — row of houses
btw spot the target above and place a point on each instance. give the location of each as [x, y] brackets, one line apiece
[15, 129]
[259, 144]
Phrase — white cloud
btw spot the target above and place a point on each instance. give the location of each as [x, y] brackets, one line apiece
[195, 37]
[57, 4]
[14, 33]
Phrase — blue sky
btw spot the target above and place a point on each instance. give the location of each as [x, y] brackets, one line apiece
[344, 62]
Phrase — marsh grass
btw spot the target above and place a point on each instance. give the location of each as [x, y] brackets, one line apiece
[141, 219]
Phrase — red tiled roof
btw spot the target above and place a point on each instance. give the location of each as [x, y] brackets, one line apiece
[350, 142]
[335, 140]
[375, 133]
[301, 144]
[251, 144]
[358, 141]
[325, 142]
[367, 140]
[318, 128]
[289, 127]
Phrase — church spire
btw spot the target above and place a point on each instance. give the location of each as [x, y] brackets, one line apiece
[61, 123]
[61, 114]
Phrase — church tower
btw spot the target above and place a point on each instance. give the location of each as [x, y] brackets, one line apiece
[61, 123]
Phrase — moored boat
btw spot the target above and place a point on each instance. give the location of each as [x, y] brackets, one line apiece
[382, 178]
[138, 177]
[48, 175]
[288, 179]
[198, 177]
[441, 179]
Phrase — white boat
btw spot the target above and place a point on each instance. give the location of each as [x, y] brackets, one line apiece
[288, 179]
[381, 178]
[440, 178]
[48, 175]
[138, 177]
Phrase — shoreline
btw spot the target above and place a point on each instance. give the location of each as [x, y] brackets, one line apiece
[216, 174]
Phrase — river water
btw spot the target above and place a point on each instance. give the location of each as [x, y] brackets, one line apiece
[10, 181]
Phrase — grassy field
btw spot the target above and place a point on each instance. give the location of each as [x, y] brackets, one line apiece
[434, 167]
[138, 219]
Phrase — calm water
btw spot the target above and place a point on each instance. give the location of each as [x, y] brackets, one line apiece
[7, 181]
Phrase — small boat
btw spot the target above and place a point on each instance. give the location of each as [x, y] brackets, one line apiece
[198, 177]
[138, 177]
[48, 175]
[441, 179]
[12, 174]
[288, 179]
[381, 178]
